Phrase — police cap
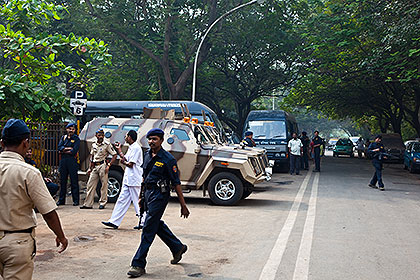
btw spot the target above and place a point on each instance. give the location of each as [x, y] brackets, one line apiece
[14, 128]
[70, 125]
[155, 132]
[101, 131]
[378, 136]
[249, 133]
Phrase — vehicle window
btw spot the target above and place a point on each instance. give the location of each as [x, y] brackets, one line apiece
[130, 127]
[343, 142]
[268, 129]
[416, 148]
[180, 133]
[109, 126]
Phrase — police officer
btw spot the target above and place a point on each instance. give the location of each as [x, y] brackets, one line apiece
[68, 148]
[376, 150]
[51, 186]
[22, 188]
[98, 170]
[317, 143]
[305, 155]
[160, 173]
[248, 141]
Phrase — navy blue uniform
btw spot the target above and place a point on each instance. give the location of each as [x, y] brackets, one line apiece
[304, 159]
[377, 163]
[68, 166]
[161, 167]
[249, 142]
[52, 188]
[317, 152]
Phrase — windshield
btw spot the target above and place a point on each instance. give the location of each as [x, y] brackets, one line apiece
[267, 129]
[416, 148]
[344, 142]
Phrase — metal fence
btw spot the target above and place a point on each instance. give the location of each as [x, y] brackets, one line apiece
[44, 142]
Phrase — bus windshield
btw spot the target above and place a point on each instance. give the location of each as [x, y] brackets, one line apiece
[268, 129]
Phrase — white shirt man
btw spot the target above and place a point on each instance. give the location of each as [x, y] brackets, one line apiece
[295, 151]
[133, 176]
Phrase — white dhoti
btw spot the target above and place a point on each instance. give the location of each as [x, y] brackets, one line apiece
[128, 195]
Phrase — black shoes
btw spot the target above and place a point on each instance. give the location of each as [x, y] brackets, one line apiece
[381, 188]
[76, 204]
[101, 207]
[86, 207]
[178, 256]
[138, 227]
[136, 271]
[109, 224]
[59, 203]
[373, 186]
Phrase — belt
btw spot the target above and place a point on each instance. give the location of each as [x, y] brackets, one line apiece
[28, 230]
[98, 163]
[150, 186]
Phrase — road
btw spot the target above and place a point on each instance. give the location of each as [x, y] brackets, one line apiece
[326, 225]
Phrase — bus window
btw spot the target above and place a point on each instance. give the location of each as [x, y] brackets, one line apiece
[180, 133]
[109, 126]
[267, 129]
[130, 127]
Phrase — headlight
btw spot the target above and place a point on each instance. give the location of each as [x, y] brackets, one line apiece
[416, 159]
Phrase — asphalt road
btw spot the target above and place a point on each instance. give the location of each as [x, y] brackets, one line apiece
[326, 225]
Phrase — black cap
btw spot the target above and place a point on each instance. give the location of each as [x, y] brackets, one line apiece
[378, 136]
[155, 132]
[14, 128]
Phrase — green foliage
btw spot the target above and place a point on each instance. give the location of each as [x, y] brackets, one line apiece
[32, 67]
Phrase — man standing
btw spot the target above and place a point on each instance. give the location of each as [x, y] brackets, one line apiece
[360, 147]
[248, 141]
[52, 187]
[305, 154]
[98, 170]
[295, 152]
[160, 173]
[68, 148]
[317, 142]
[133, 172]
[22, 188]
[376, 150]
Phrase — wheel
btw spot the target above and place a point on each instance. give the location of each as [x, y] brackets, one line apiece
[334, 155]
[351, 155]
[246, 194]
[114, 185]
[405, 166]
[225, 188]
[411, 168]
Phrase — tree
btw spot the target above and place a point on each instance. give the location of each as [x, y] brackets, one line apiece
[31, 67]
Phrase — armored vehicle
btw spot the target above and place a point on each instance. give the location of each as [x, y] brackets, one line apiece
[227, 172]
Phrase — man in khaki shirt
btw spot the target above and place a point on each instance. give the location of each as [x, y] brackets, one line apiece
[98, 170]
[21, 189]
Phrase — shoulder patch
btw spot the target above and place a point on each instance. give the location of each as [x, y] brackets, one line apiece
[72, 141]
[175, 169]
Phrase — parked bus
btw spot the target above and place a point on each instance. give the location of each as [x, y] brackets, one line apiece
[272, 130]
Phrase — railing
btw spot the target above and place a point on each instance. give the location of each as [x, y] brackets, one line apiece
[44, 142]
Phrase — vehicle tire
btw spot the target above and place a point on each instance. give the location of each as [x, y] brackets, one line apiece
[411, 168]
[405, 166]
[352, 155]
[114, 185]
[334, 155]
[246, 194]
[225, 188]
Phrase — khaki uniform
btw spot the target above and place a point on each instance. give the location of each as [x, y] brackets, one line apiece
[21, 189]
[100, 152]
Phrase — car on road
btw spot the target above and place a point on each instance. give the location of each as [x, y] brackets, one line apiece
[412, 157]
[394, 147]
[344, 146]
[227, 172]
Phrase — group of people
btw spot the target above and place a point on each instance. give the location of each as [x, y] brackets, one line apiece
[146, 182]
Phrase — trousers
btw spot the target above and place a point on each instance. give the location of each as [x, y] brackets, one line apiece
[156, 203]
[317, 157]
[68, 166]
[128, 195]
[304, 160]
[377, 176]
[98, 173]
[17, 252]
[294, 164]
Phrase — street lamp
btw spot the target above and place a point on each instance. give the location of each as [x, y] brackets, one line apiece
[205, 35]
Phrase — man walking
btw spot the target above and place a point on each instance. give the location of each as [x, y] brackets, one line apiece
[132, 179]
[376, 150]
[22, 188]
[160, 174]
[295, 152]
[98, 170]
[68, 148]
[317, 142]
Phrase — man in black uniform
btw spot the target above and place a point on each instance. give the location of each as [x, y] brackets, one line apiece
[248, 141]
[68, 148]
[318, 141]
[376, 150]
[305, 155]
[160, 173]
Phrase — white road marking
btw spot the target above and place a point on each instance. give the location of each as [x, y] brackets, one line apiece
[304, 255]
[270, 268]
